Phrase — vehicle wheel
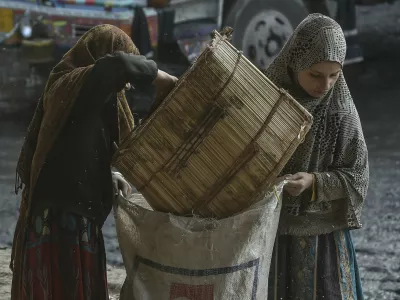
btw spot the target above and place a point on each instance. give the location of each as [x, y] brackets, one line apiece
[262, 27]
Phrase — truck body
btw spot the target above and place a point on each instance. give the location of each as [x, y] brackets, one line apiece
[170, 31]
[174, 28]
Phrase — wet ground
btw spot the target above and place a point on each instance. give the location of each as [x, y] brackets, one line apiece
[377, 95]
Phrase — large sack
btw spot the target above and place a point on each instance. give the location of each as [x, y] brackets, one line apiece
[171, 257]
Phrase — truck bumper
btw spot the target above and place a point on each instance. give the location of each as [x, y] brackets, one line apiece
[38, 51]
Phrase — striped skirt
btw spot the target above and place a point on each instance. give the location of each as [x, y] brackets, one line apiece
[315, 268]
[64, 259]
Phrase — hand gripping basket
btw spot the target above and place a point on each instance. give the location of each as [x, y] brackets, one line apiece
[219, 139]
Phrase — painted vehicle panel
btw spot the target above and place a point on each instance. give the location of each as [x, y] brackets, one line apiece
[66, 24]
[261, 26]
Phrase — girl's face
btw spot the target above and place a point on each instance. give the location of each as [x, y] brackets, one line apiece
[320, 78]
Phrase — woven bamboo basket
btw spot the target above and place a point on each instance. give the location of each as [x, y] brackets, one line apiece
[218, 141]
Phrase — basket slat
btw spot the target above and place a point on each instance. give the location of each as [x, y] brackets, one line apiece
[218, 141]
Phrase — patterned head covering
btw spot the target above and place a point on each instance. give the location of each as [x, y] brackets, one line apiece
[334, 150]
[316, 39]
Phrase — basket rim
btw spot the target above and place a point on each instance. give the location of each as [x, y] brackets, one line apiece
[263, 76]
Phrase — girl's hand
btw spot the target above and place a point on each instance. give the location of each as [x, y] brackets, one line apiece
[278, 180]
[120, 184]
[164, 83]
[298, 183]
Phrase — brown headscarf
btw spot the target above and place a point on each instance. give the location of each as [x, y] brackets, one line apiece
[54, 107]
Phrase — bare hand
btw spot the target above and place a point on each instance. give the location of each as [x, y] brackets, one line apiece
[278, 180]
[298, 183]
[120, 184]
[164, 83]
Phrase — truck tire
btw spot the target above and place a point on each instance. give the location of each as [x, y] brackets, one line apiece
[262, 27]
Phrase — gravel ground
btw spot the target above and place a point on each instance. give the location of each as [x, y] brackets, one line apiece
[376, 95]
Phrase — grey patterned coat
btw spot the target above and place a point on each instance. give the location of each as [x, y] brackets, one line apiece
[334, 149]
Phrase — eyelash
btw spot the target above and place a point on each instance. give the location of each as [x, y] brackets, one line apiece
[316, 75]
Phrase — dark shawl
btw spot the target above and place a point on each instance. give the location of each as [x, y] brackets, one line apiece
[62, 89]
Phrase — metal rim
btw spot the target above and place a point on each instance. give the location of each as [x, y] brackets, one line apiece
[264, 36]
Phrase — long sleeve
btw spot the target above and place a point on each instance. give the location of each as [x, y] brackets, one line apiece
[328, 187]
[112, 72]
[109, 75]
[348, 176]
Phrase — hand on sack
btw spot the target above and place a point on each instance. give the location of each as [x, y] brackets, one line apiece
[120, 184]
[297, 183]
[278, 180]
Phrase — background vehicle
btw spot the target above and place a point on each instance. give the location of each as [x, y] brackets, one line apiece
[48, 28]
[172, 31]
